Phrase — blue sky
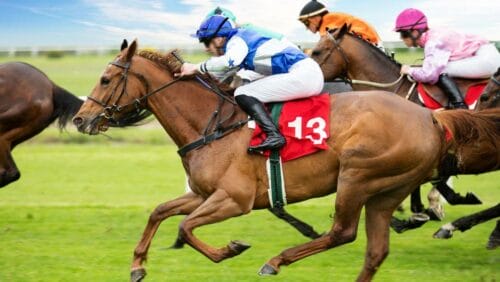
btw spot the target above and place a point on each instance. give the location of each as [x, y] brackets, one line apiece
[168, 23]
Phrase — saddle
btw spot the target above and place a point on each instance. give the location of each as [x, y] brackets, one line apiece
[434, 98]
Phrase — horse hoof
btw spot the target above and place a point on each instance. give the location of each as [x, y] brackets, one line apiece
[443, 234]
[267, 270]
[436, 214]
[178, 244]
[493, 243]
[472, 199]
[238, 246]
[137, 275]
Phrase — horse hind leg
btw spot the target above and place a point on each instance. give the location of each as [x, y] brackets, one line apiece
[378, 212]
[8, 169]
[182, 205]
[348, 208]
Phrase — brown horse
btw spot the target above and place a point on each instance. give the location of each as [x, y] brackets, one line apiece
[341, 54]
[29, 102]
[366, 166]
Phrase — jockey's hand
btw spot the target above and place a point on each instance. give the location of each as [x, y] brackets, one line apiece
[404, 69]
[187, 69]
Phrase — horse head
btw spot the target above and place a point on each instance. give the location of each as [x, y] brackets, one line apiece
[491, 94]
[330, 54]
[116, 98]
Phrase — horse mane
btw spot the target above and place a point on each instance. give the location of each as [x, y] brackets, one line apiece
[171, 60]
[374, 48]
[466, 126]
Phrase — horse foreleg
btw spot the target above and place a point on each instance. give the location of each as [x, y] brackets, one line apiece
[304, 228]
[218, 207]
[416, 205]
[182, 205]
[347, 212]
[466, 222]
[494, 240]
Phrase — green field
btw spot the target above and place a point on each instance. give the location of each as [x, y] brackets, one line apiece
[82, 202]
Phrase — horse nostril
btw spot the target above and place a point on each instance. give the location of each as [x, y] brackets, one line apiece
[77, 121]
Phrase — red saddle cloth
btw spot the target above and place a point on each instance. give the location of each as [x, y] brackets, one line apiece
[470, 99]
[305, 123]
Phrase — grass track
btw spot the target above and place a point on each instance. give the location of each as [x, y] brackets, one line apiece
[76, 216]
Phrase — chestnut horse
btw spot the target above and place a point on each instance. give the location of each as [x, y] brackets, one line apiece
[344, 55]
[29, 102]
[374, 158]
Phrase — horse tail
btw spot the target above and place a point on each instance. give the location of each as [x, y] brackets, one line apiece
[466, 127]
[66, 105]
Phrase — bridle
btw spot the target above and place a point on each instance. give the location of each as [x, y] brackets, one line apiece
[213, 130]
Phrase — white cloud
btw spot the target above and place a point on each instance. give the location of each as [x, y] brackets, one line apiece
[157, 24]
[278, 15]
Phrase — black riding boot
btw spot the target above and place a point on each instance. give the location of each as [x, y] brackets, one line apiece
[451, 89]
[256, 110]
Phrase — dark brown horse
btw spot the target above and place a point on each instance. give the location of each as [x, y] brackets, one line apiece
[366, 167]
[341, 54]
[490, 98]
[29, 102]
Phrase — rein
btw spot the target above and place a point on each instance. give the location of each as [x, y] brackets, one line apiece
[215, 122]
[344, 76]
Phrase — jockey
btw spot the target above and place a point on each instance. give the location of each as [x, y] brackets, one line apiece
[316, 18]
[446, 53]
[286, 73]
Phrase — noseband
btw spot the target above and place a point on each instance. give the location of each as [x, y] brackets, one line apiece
[110, 110]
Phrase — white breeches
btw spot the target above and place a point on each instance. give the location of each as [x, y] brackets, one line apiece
[304, 79]
[482, 65]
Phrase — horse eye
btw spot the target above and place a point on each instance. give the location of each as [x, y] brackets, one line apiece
[104, 81]
[316, 52]
[484, 98]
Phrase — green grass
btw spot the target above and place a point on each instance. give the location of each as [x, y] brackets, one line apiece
[78, 211]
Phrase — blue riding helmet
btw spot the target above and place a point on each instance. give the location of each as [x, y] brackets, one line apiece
[214, 26]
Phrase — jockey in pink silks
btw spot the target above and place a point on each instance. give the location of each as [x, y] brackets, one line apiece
[447, 54]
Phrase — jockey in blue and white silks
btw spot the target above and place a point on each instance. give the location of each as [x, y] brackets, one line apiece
[283, 71]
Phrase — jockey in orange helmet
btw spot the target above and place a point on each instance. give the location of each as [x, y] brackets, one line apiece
[316, 18]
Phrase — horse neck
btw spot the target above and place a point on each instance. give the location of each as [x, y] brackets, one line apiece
[183, 109]
[369, 64]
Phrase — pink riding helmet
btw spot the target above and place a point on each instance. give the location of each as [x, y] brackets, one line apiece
[410, 19]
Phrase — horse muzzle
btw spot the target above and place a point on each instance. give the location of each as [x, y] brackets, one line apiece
[91, 126]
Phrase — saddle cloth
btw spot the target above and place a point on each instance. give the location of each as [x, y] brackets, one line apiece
[305, 123]
[433, 102]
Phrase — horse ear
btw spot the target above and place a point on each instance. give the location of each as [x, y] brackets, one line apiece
[343, 30]
[131, 50]
[124, 44]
